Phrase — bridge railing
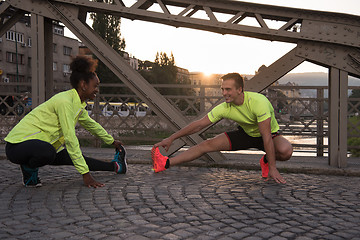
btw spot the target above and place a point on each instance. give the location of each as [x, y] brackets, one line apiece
[302, 113]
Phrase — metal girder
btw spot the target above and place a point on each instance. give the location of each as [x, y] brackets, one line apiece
[268, 75]
[342, 29]
[16, 15]
[37, 59]
[338, 88]
[328, 39]
[122, 69]
[331, 55]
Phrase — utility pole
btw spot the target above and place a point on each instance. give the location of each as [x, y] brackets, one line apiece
[16, 59]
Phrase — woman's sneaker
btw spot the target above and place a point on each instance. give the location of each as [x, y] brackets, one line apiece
[30, 176]
[120, 160]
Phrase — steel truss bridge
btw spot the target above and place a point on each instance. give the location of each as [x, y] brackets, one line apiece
[328, 39]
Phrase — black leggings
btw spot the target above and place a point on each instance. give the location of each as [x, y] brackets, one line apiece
[37, 153]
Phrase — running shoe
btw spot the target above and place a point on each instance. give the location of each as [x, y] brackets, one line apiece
[30, 176]
[264, 167]
[159, 161]
[120, 160]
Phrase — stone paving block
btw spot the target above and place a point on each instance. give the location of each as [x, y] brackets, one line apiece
[330, 237]
[166, 229]
[238, 235]
[277, 238]
[180, 225]
[287, 234]
[171, 236]
[62, 235]
[153, 235]
[225, 238]
[264, 234]
[218, 204]
[229, 230]
[253, 238]
[183, 234]
[303, 238]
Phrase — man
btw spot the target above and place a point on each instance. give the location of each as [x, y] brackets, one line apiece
[258, 128]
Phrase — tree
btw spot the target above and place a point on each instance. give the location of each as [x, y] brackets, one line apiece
[164, 71]
[355, 93]
[108, 27]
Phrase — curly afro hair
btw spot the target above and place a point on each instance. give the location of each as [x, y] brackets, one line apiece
[82, 68]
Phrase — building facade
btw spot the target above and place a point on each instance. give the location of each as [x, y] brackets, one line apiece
[15, 57]
[131, 60]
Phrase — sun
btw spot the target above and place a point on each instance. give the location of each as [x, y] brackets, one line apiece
[207, 74]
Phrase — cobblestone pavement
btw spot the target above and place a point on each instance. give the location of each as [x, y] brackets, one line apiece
[181, 203]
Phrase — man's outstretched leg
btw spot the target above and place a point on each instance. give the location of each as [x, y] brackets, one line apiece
[161, 163]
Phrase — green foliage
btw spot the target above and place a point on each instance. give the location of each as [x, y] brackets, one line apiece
[161, 71]
[164, 71]
[355, 106]
[354, 141]
[108, 27]
[282, 102]
[355, 93]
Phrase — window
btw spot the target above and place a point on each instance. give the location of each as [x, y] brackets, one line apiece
[11, 57]
[66, 68]
[54, 47]
[58, 30]
[54, 66]
[67, 50]
[29, 61]
[10, 35]
[15, 36]
[13, 78]
[29, 42]
[21, 59]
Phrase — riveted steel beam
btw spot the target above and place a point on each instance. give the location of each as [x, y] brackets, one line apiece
[67, 15]
[268, 75]
[331, 55]
[298, 24]
[37, 59]
[14, 17]
[328, 39]
[338, 88]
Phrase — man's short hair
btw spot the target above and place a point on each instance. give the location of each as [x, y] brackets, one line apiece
[239, 80]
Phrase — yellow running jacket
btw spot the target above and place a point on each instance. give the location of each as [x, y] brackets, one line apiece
[54, 122]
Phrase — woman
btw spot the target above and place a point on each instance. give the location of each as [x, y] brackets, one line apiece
[39, 138]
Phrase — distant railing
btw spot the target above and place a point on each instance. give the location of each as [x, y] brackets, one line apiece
[302, 113]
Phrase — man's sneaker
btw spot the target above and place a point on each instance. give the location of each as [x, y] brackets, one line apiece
[159, 161]
[30, 176]
[264, 167]
[120, 160]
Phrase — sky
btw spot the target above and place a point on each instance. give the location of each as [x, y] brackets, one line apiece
[201, 51]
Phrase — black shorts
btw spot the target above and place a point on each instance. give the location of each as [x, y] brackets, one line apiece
[239, 140]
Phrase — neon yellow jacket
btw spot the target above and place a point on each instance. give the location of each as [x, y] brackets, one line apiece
[54, 122]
